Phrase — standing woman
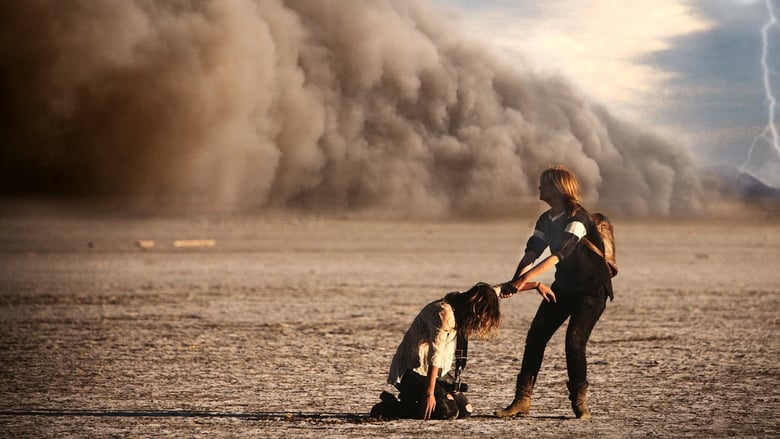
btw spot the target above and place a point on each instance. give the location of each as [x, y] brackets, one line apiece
[582, 284]
[427, 353]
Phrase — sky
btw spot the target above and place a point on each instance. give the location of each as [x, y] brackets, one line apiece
[690, 69]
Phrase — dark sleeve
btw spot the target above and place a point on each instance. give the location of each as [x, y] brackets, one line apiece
[540, 239]
[576, 228]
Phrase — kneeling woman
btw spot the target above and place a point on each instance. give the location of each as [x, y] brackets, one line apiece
[419, 369]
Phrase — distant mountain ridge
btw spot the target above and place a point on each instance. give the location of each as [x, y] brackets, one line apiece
[728, 180]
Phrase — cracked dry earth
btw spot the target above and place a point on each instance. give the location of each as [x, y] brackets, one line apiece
[285, 327]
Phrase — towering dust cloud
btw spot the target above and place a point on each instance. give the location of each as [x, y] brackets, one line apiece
[347, 105]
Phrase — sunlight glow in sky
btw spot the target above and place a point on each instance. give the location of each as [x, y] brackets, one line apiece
[690, 69]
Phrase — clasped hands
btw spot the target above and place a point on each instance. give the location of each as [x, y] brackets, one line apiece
[508, 289]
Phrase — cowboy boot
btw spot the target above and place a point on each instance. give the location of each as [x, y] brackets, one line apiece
[522, 402]
[577, 395]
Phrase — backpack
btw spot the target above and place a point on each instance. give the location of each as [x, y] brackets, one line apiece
[605, 230]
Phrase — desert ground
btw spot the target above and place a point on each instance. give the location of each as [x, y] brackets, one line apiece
[285, 327]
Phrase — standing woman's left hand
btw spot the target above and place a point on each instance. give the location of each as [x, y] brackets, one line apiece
[546, 292]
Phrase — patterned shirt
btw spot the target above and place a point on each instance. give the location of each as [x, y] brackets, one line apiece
[430, 340]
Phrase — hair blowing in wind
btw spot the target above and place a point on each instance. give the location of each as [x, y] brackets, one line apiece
[347, 105]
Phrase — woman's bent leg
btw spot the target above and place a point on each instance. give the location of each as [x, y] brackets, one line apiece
[549, 317]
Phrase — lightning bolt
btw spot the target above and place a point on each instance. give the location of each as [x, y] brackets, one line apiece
[769, 134]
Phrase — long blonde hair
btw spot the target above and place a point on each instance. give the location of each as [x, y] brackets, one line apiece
[566, 185]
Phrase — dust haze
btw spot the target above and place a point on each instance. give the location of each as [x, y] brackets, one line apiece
[314, 105]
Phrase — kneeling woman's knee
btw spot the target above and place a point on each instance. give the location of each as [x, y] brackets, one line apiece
[465, 408]
[446, 408]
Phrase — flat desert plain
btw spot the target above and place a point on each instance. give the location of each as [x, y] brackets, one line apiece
[286, 325]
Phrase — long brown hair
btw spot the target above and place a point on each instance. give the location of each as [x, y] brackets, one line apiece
[566, 185]
[477, 311]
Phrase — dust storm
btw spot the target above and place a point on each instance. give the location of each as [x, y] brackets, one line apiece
[327, 105]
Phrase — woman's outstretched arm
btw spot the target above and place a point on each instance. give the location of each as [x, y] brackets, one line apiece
[508, 289]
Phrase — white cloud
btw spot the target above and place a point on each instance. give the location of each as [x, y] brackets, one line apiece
[598, 44]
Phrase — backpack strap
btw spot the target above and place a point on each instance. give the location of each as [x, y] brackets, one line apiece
[613, 270]
[461, 356]
[592, 246]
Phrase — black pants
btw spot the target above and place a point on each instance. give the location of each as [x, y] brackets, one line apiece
[583, 313]
[449, 404]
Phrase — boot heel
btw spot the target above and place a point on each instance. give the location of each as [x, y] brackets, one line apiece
[578, 394]
[521, 405]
